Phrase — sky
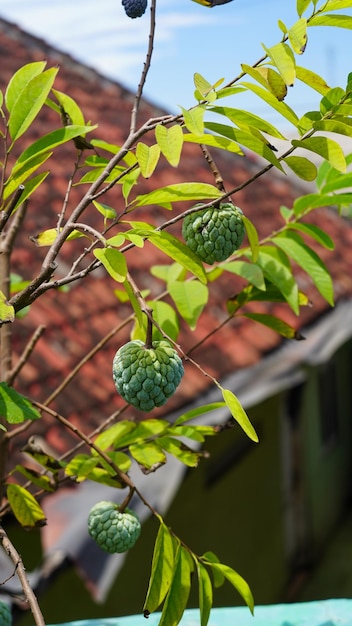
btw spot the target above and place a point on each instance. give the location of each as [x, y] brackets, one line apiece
[189, 38]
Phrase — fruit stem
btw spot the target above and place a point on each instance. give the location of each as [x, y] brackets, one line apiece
[149, 335]
[127, 500]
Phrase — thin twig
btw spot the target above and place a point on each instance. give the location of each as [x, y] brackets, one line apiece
[13, 373]
[21, 573]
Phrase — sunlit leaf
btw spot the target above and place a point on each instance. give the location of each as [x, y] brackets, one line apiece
[239, 414]
[161, 571]
[283, 59]
[114, 262]
[237, 581]
[179, 252]
[190, 298]
[148, 454]
[20, 80]
[248, 271]
[292, 244]
[148, 158]
[201, 410]
[276, 268]
[25, 507]
[178, 193]
[177, 597]
[107, 211]
[315, 232]
[14, 407]
[330, 19]
[312, 80]
[247, 119]
[7, 312]
[276, 324]
[179, 451]
[302, 167]
[298, 36]
[205, 593]
[170, 142]
[252, 235]
[36, 478]
[302, 5]
[324, 147]
[281, 107]
[214, 141]
[29, 102]
[194, 119]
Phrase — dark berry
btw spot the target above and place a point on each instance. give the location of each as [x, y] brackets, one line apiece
[134, 8]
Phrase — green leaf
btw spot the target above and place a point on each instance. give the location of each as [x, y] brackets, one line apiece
[205, 593]
[309, 261]
[313, 231]
[81, 466]
[248, 271]
[36, 478]
[245, 119]
[113, 435]
[179, 451]
[337, 21]
[177, 597]
[304, 204]
[276, 324]
[270, 79]
[29, 102]
[107, 211]
[236, 581]
[161, 571]
[178, 193]
[281, 107]
[239, 414]
[148, 454]
[302, 167]
[14, 407]
[326, 148]
[179, 252]
[195, 433]
[252, 235]
[70, 107]
[214, 141]
[276, 268]
[114, 262]
[190, 298]
[194, 119]
[23, 173]
[202, 84]
[147, 429]
[312, 79]
[297, 35]
[19, 81]
[201, 410]
[170, 142]
[165, 316]
[148, 158]
[218, 577]
[333, 126]
[50, 141]
[246, 139]
[282, 57]
[302, 5]
[25, 507]
[7, 312]
[47, 237]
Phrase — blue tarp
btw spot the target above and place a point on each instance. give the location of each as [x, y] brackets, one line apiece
[320, 613]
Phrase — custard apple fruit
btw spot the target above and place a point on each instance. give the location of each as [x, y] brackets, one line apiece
[147, 377]
[214, 233]
[113, 531]
[5, 615]
[134, 8]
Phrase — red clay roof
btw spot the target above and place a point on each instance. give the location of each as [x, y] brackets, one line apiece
[77, 320]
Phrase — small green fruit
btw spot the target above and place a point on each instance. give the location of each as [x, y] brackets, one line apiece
[5, 615]
[147, 377]
[214, 233]
[113, 531]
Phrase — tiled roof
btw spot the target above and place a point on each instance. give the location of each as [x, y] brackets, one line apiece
[77, 320]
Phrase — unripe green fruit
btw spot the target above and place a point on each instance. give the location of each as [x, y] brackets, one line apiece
[214, 233]
[113, 531]
[147, 377]
[5, 615]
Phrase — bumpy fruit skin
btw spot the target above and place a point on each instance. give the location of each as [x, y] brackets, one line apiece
[214, 233]
[5, 615]
[147, 377]
[112, 530]
[134, 8]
